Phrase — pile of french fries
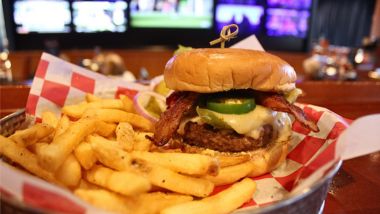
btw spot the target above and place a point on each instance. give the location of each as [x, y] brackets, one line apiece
[98, 149]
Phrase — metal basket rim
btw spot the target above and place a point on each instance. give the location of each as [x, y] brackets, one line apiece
[294, 198]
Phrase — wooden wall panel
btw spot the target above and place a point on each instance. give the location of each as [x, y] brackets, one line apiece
[24, 63]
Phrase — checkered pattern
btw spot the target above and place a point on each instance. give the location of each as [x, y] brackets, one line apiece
[58, 83]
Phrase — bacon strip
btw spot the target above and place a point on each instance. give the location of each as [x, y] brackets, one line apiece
[279, 103]
[173, 98]
[180, 104]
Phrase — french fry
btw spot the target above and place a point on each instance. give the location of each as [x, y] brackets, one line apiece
[125, 136]
[37, 147]
[32, 135]
[83, 184]
[123, 182]
[168, 179]
[96, 138]
[62, 126]
[116, 158]
[228, 160]
[85, 155]
[105, 199]
[92, 98]
[127, 103]
[185, 163]
[25, 158]
[155, 202]
[105, 129]
[145, 203]
[231, 174]
[76, 111]
[223, 202]
[70, 172]
[141, 143]
[110, 155]
[107, 104]
[52, 156]
[49, 118]
[117, 116]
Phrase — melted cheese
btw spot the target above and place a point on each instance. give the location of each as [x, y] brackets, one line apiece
[245, 123]
[251, 124]
[282, 124]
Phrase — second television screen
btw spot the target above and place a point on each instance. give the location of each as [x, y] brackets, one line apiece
[246, 14]
[192, 14]
[100, 16]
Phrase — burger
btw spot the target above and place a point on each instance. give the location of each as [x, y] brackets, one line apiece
[230, 102]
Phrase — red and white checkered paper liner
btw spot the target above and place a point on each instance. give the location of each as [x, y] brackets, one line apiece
[58, 83]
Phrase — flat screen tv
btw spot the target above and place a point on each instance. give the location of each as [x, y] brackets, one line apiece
[100, 16]
[247, 16]
[42, 16]
[287, 22]
[191, 14]
[278, 24]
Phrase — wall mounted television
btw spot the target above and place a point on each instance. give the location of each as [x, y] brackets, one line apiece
[99, 16]
[278, 24]
[42, 16]
[172, 14]
[30, 24]
[248, 15]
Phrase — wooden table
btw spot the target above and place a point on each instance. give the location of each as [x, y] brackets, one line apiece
[356, 187]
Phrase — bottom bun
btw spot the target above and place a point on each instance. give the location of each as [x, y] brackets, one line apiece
[268, 159]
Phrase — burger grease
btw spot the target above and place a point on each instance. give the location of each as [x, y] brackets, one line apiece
[230, 101]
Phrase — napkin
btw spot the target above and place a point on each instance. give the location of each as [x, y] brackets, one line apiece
[361, 138]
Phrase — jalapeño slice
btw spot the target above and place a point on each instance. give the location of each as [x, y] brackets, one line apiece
[231, 105]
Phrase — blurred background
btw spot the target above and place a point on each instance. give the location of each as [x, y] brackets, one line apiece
[322, 39]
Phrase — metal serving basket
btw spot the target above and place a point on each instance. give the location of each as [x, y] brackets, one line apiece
[311, 200]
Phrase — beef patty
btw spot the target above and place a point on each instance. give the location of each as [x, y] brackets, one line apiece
[206, 136]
